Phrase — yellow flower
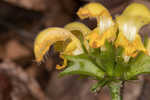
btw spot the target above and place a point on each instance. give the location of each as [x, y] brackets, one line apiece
[106, 28]
[59, 37]
[97, 40]
[128, 23]
[133, 18]
[131, 48]
[51, 36]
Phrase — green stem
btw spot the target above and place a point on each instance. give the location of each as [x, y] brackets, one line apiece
[115, 88]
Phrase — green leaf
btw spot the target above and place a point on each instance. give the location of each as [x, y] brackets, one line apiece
[82, 65]
[121, 69]
[139, 65]
[94, 54]
[121, 66]
[99, 85]
[82, 77]
[107, 58]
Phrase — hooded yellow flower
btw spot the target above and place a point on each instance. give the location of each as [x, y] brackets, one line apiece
[106, 28]
[51, 36]
[133, 18]
[65, 40]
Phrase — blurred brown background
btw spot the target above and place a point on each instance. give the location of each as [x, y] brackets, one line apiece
[23, 79]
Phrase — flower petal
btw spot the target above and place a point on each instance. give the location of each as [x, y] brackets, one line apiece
[73, 48]
[105, 23]
[97, 40]
[64, 63]
[131, 48]
[78, 26]
[92, 10]
[130, 25]
[137, 9]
